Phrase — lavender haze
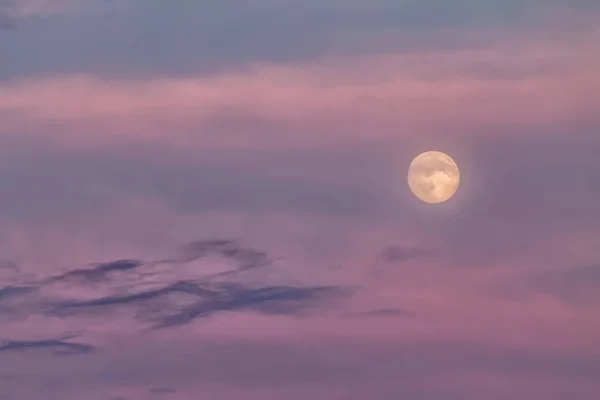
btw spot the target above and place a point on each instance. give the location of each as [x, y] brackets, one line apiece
[208, 200]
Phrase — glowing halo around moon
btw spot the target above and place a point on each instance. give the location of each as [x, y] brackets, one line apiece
[433, 177]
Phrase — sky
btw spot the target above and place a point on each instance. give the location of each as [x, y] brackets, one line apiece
[208, 200]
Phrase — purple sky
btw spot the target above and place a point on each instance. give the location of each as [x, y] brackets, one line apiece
[208, 200]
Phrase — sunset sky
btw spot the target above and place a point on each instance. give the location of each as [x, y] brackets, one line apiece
[207, 199]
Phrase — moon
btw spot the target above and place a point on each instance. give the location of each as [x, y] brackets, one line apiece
[433, 177]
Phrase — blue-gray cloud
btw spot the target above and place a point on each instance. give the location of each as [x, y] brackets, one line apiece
[400, 254]
[191, 37]
[577, 285]
[380, 313]
[9, 291]
[162, 391]
[99, 272]
[354, 368]
[172, 301]
[155, 306]
[57, 184]
[7, 21]
[549, 185]
[58, 346]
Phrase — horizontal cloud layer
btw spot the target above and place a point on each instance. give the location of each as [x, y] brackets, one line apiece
[540, 87]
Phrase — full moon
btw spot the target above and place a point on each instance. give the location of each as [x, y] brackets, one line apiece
[433, 177]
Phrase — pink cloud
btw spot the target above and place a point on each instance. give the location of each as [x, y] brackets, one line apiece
[28, 8]
[519, 83]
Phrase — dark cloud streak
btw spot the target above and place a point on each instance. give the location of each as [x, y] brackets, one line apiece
[59, 346]
[246, 258]
[9, 291]
[171, 303]
[380, 313]
[400, 254]
[99, 272]
[210, 300]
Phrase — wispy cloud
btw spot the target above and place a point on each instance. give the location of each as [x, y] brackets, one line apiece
[162, 294]
[97, 273]
[58, 346]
